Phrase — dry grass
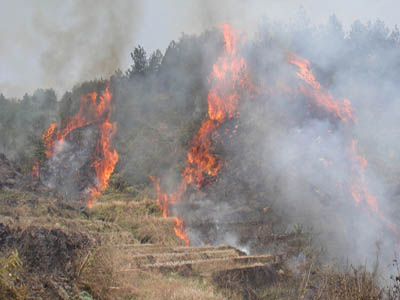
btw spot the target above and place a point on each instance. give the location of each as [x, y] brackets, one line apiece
[103, 273]
[119, 218]
[394, 288]
[11, 269]
[96, 272]
[112, 210]
[350, 284]
[158, 286]
[316, 281]
[155, 231]
[142, 219]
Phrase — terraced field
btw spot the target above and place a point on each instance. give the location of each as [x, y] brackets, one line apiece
[226, 266]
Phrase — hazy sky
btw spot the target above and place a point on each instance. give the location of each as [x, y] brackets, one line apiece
[49, 43]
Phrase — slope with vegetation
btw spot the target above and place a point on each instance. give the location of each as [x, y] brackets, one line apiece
[123, 248]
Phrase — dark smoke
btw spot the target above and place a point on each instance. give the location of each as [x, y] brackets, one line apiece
[92, 42]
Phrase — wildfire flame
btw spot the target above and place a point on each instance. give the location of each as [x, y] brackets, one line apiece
[359, 191]
[35, 169]
[180, 230]
[228, 78]
[341, 110]
[95, 110]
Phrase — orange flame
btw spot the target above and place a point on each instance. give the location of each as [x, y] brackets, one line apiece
[35, 169]
[48, 141]
[180, 230]
[229, 76]
[165, 201]
[359, 189]
[343, 111]
[340, 109]
[94, 110]
[104, 158]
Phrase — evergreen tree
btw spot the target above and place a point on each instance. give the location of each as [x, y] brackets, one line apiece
[139, 57]
[155, 61]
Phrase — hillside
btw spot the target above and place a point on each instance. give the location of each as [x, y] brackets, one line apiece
[122, 247]
[223, 168]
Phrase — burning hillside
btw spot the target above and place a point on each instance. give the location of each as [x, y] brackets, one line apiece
[198, 195]
[258, 159]
[313, 153]
[255, 141]
[228, 79]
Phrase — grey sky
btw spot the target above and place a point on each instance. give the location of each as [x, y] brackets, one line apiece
[36, 50]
